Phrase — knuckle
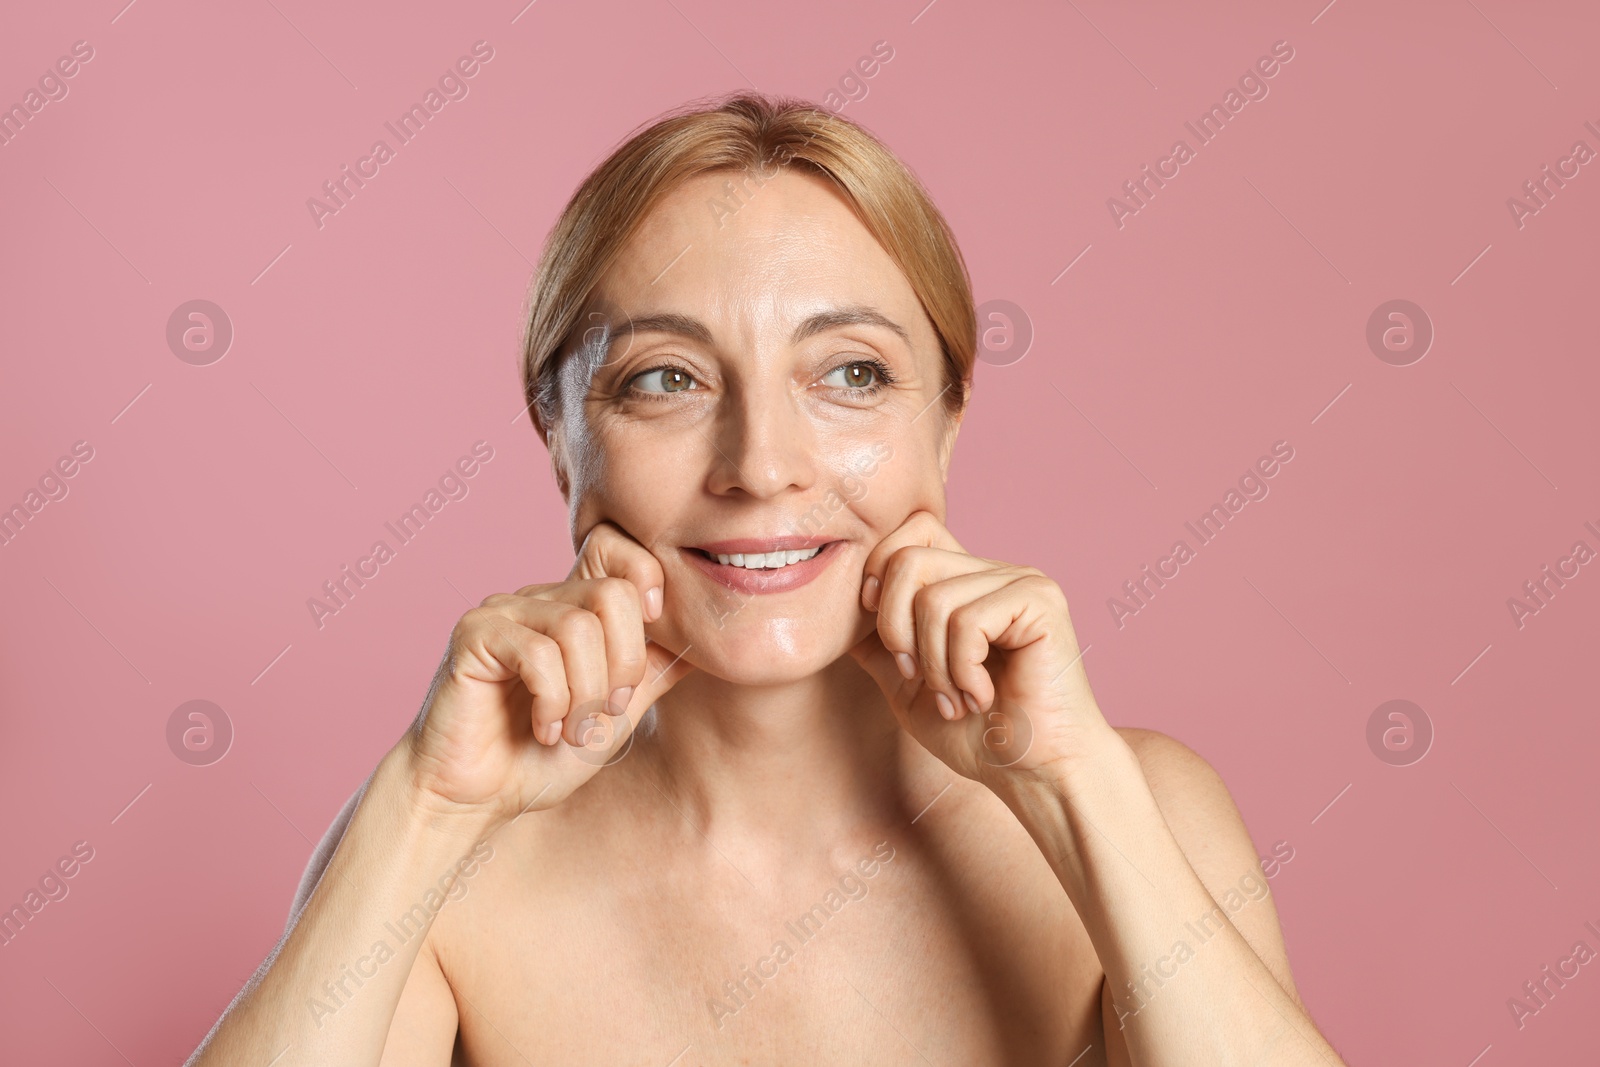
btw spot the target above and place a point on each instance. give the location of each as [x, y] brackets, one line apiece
[933, 600]
[1042, 584]
[615, 593]
[898, 567]
[577, 627]
[547, 665]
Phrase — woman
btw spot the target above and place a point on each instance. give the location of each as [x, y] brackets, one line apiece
[871, 812]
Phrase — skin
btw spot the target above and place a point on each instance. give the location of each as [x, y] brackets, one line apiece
[908, 741]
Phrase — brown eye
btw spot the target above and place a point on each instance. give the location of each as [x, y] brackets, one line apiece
[663, 380]
[854, 376]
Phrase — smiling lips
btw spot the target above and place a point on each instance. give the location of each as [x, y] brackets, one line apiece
[763, 565]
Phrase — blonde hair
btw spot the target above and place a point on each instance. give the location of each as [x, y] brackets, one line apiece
[743, 131]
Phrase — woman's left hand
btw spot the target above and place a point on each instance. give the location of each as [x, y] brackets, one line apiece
[976, 657]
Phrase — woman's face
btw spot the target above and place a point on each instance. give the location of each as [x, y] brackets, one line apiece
[755, 377]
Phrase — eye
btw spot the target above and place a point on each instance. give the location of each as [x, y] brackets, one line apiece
[658, 380]
[861, 375]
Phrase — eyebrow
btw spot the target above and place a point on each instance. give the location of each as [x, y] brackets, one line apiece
[694, 329]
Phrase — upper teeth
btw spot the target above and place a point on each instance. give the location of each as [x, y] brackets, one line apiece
[758, 560]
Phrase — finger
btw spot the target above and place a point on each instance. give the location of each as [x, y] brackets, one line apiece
[1011, 617]
[582, 638]
[933, 607]
[871, 655]
[921, 528]
[581, 641]
[604, 737]
[616, 603]
[608, 551]
[519, 652]
[620, 609]
[906, 573]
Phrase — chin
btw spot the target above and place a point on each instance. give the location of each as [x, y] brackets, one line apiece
[748, 649]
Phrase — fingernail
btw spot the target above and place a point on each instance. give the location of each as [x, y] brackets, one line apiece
[869, 592]
[947, 709]
[552, 732]
[620, 698]
[907, 665]
[971, 702]
[652, 603]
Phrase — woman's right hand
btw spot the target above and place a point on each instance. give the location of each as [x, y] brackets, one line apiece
[526, 672]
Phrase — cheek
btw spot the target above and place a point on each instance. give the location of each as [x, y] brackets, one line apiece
[619, 477]
[884, 479]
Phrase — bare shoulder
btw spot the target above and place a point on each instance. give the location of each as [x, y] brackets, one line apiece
[1206, 823]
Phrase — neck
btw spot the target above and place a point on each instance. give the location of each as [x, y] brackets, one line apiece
[816, 757]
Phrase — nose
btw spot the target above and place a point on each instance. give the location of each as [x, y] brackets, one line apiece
[762, 443]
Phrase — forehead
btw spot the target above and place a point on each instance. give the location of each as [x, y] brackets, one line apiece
[725, 246]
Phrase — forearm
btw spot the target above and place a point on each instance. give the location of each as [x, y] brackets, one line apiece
[328, 992]
[1187, 986]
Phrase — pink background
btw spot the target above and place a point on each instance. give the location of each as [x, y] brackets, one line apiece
[1224, 316]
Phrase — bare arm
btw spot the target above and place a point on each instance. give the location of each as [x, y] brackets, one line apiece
[1180, 915]
[329, 991]
[494, 741]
